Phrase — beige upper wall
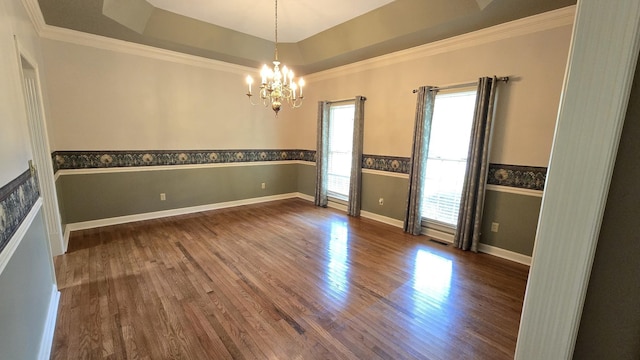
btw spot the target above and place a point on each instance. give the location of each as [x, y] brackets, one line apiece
[527, 108]
[117, 99]
[15, 149]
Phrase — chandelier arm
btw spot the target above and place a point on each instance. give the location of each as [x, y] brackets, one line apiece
[250, 96]
[277, 86]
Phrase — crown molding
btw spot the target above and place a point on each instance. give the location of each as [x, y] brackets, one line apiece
[35, 15]
[529, 25]
[120, 46]
[129, 48]
[532, 24]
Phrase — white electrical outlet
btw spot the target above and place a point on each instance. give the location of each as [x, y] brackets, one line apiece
[494, 227]
[381, 201]
[264, 186]
[163, 197]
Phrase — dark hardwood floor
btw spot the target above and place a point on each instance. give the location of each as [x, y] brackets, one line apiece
[280, 280]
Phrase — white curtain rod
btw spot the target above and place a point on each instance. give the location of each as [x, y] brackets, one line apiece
[455, 86]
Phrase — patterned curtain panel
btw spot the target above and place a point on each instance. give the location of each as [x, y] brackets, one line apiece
[322, 153]
[355, 185]
[472, 202]
[421, 134]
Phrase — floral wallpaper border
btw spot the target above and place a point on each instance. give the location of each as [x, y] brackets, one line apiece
[525, 177]
[395, 164]
[66, 160]
[16, 200]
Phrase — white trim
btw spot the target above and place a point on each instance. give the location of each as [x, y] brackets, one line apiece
[310, 163]
[39, 141]
[513, 29]
[35, 15]
[505, 254]
[305, 197]
[381, 218]
[105, 43]
[364, 214]
[385, 173]
[602, 61]
[173, 212]
[513, 190]
[484, 248]
[432, 233]
[337, 205]
[50, 325]
[437, 234]
[171, 167]
[16, 239]
[67, 234]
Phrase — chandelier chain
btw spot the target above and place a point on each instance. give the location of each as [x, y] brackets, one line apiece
[276, 45]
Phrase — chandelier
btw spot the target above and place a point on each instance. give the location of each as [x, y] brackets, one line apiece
[277, 86]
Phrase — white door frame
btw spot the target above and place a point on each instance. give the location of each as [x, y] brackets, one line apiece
[32, 95]
[602, 62]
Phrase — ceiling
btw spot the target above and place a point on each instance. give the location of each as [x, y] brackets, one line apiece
[313, 35]
[297, 19]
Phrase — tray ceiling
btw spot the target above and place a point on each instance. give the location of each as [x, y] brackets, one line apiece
[314, 35]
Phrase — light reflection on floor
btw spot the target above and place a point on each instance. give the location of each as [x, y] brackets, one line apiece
[338, 265]
[431, 282]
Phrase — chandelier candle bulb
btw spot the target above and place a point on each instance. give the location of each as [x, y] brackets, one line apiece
[263, 73]
[249, 82]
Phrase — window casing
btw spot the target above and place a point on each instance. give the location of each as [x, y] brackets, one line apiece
[447, 158]
[340, 149]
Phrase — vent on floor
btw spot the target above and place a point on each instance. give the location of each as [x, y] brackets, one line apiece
[439, 242]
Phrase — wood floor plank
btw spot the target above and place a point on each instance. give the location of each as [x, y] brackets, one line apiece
[280, 280]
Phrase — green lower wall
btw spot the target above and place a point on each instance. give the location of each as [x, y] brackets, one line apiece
[517, 216]
[105, 195]
[85, 197]
[307, 179]
[27, 285]
[392, 189]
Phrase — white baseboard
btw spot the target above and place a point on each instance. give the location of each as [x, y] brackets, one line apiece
[505, 254]
[337, 206]
[49, 326]
[364, 214]
[173, 212]
[65, 239]
[305, 197]
[438, 235]
[381, 218]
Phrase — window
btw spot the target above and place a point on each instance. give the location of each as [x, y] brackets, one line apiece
[447, 157]
[340, 150]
